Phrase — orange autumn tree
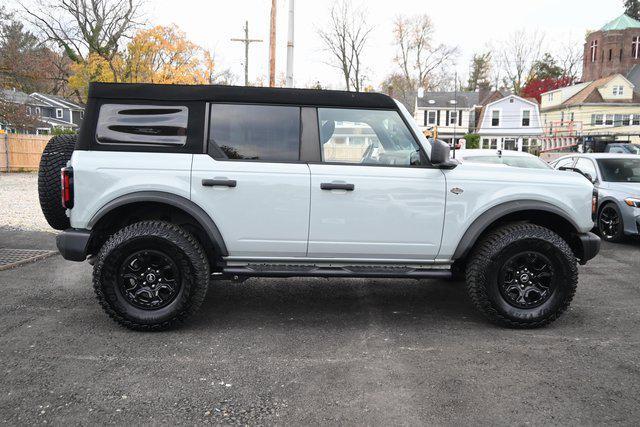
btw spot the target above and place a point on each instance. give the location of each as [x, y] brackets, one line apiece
[161, 54]
[165, 55]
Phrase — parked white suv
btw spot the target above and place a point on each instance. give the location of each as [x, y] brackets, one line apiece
[170, 186]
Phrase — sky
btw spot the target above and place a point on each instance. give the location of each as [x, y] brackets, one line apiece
[470, 24]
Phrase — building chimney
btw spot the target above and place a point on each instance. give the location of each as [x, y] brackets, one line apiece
[484, 92]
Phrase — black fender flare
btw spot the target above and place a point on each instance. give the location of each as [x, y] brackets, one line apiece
[174, 200]
[491, 215]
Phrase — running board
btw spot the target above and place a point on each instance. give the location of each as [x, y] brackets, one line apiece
[354, 271]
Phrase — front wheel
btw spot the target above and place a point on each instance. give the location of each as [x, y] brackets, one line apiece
[151, 275]
[522, 276]
[610, 223]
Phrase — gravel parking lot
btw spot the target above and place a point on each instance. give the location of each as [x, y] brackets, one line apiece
[19, 201]
[317, 351]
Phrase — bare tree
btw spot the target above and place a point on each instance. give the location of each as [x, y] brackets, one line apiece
[345, 38]
[85, 27]
[516, 56]
[419, 57]
[570, 57]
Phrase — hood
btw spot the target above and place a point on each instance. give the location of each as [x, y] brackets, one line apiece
[630, 188]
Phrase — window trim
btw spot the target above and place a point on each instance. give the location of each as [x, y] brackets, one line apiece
[59, 110]
[522, 118]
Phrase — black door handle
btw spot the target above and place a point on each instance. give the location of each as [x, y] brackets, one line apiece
[336, 186]
[219, 182]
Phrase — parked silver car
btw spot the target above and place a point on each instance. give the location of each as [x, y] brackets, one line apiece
[501, 157]
[617, 178]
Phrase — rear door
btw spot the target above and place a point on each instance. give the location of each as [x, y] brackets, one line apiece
[373, 196]
[252, 181]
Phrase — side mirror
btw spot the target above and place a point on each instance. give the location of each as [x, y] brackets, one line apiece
[439, 152]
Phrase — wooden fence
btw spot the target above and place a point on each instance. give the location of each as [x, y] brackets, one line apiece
[21, 153]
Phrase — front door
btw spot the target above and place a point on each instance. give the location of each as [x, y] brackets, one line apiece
[252, 182]
[372, 196]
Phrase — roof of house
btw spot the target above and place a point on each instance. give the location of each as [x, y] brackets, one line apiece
[220, 93]
[58, 122]
[18, 97]
[443, 99]
[590, 94]
[622, 22]
[56, 101]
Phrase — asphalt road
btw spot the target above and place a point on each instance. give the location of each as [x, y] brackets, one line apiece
[317, 351]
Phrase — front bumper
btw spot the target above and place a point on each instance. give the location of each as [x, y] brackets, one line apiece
[590, 244]
[73, 243]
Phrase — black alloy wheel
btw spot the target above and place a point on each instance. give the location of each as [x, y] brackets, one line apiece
[527, 279]
[610, 223]
[149, 279]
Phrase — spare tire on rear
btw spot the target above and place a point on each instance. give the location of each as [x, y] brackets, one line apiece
[54, 157]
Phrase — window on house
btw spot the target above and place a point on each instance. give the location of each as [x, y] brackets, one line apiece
[626, 120]
[494, 144]
[550, 97]
[485, 143]
[58, 113]
[608, 120]
[635, 47]
[431, 118]
[38, 111]
[28, 111]
[617, 120]
[82, 114]
[495, 118]
[572, 116]
[618, 90]
[562, 118]
[453, 117]
[610, 54]
[526, 118]
[636, 120]
[597, 119]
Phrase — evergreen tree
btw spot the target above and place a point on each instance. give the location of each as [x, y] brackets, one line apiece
[480, 70]
[632, 8]
[546, 68]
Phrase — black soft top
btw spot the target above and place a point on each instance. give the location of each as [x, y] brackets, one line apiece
[219, 93]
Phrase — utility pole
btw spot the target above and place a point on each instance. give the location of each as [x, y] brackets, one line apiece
[247, 41]
[455, 108]
[272, 45]
[290, 46]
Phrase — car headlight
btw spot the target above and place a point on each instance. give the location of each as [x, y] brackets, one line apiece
[633, 201]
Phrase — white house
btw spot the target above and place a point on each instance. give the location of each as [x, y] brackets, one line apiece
[452, 113]
[510, 123]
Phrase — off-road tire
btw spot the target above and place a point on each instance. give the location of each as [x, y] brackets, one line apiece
[54, 157]
[495, 249]
[176, 243]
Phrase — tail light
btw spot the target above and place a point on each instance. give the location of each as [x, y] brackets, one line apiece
[594, 204]
[66, 187]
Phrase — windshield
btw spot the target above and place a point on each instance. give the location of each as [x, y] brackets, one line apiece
[620, 170]
[624, 148]
[515, 161]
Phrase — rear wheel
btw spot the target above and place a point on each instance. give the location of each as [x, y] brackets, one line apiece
[54, 157]
[151, 275]
[522, 276]
[610, 223]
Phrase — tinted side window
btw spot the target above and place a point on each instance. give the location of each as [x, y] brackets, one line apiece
[366, 137]
[254, 132]
[150, 125]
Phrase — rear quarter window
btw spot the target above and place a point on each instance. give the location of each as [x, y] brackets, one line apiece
[146, 125]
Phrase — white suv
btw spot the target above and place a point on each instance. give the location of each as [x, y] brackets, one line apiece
[171, 186]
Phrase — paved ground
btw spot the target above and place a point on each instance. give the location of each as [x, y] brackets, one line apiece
[317, 351]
